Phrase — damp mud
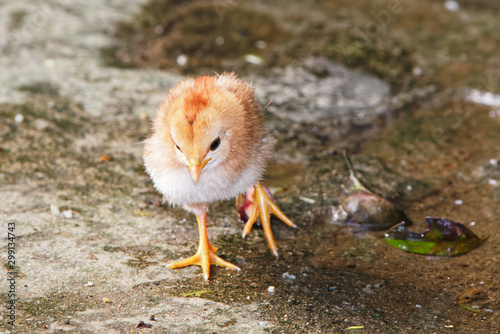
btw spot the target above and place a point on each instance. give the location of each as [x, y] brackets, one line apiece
[415, 110]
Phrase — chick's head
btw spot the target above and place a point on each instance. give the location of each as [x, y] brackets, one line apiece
[210, 125]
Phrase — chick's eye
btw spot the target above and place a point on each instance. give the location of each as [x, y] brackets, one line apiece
[177, 146]
[215, 144]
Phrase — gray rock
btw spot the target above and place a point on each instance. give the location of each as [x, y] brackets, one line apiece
[321, 89]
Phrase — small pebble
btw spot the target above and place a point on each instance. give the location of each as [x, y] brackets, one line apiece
[418, 306]
[54, 209]
[263, 323]
[492, 182]
[307, 200]
[89, 283]
[67, 214]
[451, 5]
[261, 44]
[182, 60]
[271, 289]
[106, 300]
[459, 202]
[253, 59]
[492, 114]
[41, 124]
[219, 41]
[18, 118]
[287, 275]
[159, 29]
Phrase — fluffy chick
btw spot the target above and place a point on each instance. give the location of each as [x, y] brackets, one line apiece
[209, 144]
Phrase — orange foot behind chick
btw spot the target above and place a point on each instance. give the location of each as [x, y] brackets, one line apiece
[205, 255]
[259, 202]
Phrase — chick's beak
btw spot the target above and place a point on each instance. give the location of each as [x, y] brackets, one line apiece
[196, 166]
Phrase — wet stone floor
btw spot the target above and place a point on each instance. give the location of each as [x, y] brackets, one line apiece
[93, 239]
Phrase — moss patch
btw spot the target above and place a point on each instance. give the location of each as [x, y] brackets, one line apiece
[207, 34]
[56, 307]
[140, 255]
[42, 87]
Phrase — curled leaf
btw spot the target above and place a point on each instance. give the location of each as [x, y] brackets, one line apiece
[142, 324]
[443, 237]
[366, 208]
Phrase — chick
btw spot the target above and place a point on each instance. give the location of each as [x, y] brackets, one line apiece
[209, 144]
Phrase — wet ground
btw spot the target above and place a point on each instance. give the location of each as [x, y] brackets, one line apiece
[81, 82]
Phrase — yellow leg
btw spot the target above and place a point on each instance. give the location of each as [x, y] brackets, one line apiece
[263, 205]
[205, 255]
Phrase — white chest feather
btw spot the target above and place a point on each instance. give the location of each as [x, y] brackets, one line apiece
[214, 184]
[178, 188]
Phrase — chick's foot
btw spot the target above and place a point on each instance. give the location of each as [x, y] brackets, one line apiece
[259, 202]
[205, 255]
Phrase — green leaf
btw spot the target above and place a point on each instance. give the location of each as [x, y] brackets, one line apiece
[470, 308]
[198, 293]
[443, 237]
